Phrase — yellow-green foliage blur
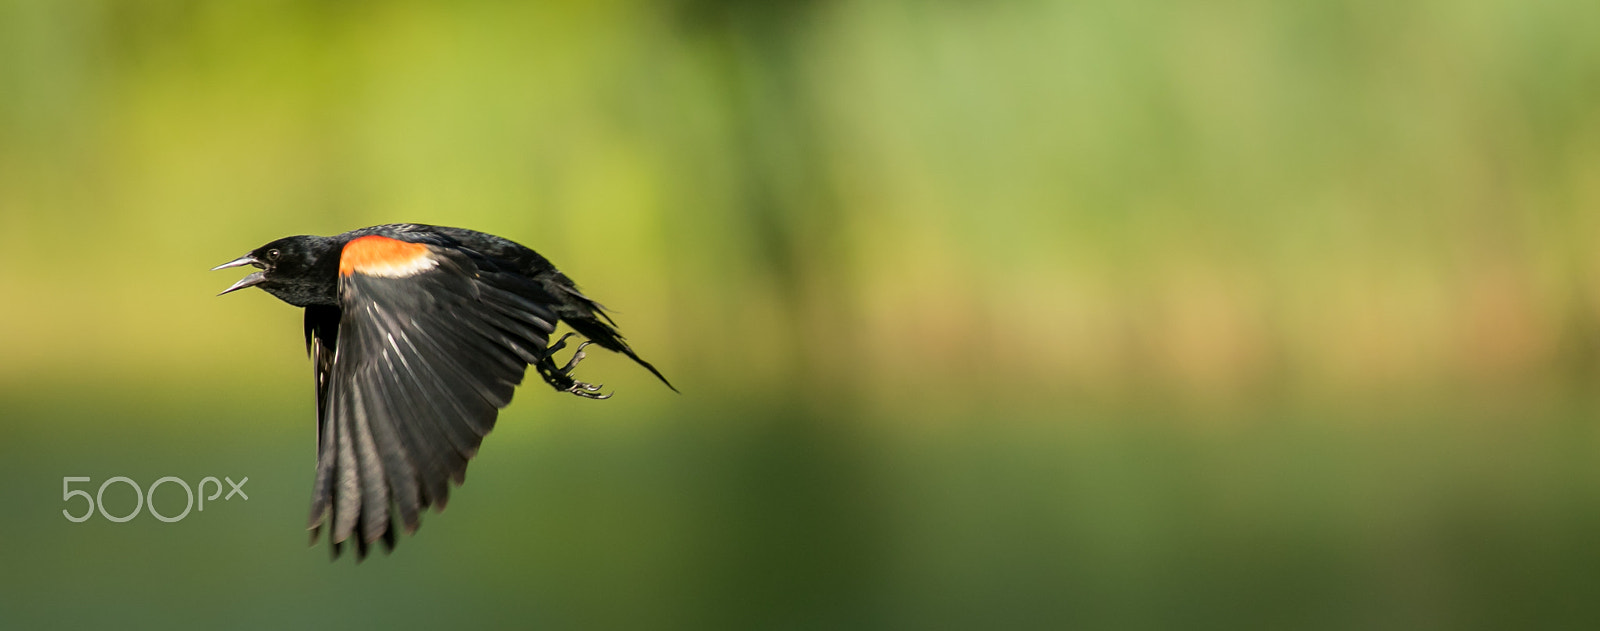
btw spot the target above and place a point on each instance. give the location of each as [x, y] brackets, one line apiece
[989, 315]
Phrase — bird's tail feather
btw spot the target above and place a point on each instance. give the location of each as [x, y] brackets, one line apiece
[589, 319]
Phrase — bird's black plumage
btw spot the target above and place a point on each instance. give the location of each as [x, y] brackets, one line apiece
[418, 336]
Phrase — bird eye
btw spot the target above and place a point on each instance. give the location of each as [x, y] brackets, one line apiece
[272, 255]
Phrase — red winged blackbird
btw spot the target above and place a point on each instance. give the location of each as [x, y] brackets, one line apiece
[418, 334]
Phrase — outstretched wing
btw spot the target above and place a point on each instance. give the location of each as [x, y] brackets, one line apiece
[426, 347]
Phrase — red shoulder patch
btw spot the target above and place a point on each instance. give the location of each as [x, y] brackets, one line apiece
[381, 256]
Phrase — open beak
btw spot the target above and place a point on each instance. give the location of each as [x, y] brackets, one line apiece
[253, 279]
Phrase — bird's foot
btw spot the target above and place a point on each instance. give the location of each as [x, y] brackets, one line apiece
[550, 350]
[561, 378]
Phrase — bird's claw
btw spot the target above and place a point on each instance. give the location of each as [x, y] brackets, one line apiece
[577, 356]
[588, 390]
[561, 378]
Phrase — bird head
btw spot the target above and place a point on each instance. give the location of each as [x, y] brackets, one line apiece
[297, 270]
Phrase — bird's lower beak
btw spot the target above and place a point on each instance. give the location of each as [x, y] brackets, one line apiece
[253, 279]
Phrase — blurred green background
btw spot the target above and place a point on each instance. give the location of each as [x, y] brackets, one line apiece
[1013, 314]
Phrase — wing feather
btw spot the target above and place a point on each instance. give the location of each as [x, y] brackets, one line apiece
[399, 471]
[347, 492]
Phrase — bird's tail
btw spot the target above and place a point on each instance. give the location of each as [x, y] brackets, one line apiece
[589, 319]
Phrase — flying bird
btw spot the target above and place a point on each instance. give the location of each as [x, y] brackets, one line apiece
[418, 335]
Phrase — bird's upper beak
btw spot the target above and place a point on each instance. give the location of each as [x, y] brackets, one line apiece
[253, 279]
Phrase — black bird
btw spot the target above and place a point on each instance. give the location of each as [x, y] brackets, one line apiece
[418, 335]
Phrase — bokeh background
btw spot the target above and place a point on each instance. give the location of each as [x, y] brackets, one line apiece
[1014, 314]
